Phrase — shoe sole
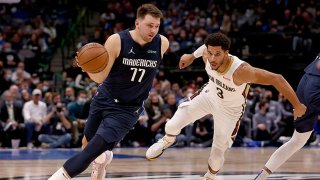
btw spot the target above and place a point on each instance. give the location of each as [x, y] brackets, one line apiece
[154, 158]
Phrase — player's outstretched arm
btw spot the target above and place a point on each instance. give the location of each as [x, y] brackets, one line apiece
[113, 46]
[187, 59]
[248, 74]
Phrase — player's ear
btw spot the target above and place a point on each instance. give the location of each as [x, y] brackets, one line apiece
[227, 51]
[136, 23]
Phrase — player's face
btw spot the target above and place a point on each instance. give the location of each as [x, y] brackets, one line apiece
[216, 56]
[148, 27]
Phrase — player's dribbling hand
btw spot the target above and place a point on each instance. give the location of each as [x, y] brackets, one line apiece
[76, 62]
[186, 60]
[299, 111]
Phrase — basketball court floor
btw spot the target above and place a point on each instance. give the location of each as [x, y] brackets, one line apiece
[175, 164]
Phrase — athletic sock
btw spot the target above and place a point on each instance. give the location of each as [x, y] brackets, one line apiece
[61, 174]
[209, 175]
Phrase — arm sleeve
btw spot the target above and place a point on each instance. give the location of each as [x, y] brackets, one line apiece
[199, 52]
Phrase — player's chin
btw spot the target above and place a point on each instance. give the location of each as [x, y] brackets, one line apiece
[149, 38]
[214, 67]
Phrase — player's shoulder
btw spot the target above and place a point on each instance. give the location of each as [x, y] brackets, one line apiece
[244, 67]
[113, 45]
[164, 43]
[163, 38]
[114, 38]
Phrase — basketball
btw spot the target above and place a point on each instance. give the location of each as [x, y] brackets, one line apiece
[93, 57]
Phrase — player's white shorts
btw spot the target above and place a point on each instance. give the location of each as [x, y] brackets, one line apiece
[226, 119]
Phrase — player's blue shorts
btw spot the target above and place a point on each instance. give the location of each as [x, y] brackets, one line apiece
[112, 122]
[308, 92]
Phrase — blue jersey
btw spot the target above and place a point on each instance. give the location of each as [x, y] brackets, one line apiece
[314, 67]
[132, 74]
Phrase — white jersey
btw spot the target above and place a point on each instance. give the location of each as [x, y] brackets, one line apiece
[222, 87]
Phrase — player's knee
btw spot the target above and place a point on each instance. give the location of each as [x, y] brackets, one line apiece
[299, 140]
[84, 142]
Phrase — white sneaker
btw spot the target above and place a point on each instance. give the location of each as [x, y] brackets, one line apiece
[30, 146]
[99, 169]
[206, 178]
[158, 148]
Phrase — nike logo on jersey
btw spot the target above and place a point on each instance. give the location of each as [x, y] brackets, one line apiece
[151, 52]
[116, 100]
[131, 51]
[226, 78]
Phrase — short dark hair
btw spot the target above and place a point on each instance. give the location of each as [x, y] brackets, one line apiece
[151, 9]
[218, 39]
[262, 103]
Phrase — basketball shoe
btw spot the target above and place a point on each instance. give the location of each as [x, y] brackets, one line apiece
[158, 148]
[99, 169]
[206, 178]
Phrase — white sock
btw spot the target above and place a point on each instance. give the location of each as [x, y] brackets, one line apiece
[61, 174]
[209, 175]
[100, 159]
[170, 138]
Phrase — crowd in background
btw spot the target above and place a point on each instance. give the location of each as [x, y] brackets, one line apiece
[33, 113]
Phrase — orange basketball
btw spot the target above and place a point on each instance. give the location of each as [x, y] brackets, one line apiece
[93, 57]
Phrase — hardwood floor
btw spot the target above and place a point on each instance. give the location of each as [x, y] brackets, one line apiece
[130, 162]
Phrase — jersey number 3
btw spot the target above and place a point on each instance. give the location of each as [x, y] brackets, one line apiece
[135, 70]
[220, 93]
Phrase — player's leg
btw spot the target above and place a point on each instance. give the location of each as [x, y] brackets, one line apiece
[282, 154]
[187, 113]
[114, 129]
[308, 93]
[78, 163]
[225, 130]
[100, 163]
[71, 167]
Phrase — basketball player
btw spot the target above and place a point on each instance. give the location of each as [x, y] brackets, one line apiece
[308, 92]
[134, 57]
[224, 96]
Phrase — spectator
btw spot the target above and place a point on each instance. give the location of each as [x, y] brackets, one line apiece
[75, 110]
[203, 132]
[262, 122]
[11, 116]
[69, 96]
[58, 126]
[35, 114]
[5, 82]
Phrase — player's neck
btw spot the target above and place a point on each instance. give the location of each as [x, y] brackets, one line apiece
[225, 66]
[137, 38]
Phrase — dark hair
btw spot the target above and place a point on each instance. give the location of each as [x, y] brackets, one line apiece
[218, 39]
[262, 104]
[151, 9]
[81, 92]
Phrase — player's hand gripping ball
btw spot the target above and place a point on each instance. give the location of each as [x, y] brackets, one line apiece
[92, 57]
